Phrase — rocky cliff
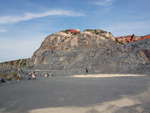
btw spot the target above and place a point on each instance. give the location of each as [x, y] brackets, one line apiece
[95, 49]
[14, 64]
[60, 45]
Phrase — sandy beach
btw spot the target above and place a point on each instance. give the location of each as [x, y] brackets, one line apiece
[107, 107]
[107, 75]
[77, 94]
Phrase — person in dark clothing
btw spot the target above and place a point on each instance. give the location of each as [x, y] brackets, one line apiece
[86, 70]
[2, 80]
[132, 37]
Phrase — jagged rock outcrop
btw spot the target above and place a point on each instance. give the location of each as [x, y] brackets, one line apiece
[130, 38]
[14, 64]
[95, 49]
[64, 42]
[128, 58]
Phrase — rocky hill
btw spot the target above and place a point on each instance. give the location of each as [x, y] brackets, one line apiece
[62, 47]
[14, 64]
[96, 49]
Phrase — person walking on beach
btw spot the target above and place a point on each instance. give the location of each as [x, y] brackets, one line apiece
[86, 70]
[132, 38]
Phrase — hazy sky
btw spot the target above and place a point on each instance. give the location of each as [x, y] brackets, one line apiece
[25, 23]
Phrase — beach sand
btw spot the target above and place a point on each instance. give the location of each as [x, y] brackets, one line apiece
[107, 75]
[118, 93]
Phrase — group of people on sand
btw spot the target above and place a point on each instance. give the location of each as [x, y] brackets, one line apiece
[33, 74]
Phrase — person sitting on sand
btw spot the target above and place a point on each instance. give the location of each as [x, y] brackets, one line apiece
[33, 75]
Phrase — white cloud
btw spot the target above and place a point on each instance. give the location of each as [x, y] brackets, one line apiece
[104, 2]
[29, 16]
[106, 5]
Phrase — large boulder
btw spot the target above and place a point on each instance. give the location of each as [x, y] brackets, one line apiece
[62, 43]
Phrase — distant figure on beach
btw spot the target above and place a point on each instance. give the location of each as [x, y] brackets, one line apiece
[132, 37]
[2, 80]
[33, 75]
[86, 70]
[29, 76]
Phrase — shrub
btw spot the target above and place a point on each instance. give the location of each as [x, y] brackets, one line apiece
[96, 31]
[119, 41]
[105, 36]
[66, 31]
[3, 75]
[69, 31]
[17, 63]
[23, 63]
[17, 77]
[75, 47]
[14, 74]
[88, 30]
[8, 78]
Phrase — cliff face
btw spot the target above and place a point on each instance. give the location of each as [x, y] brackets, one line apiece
[88, 39]
[95, 49]
[128, 58]
[65, 42]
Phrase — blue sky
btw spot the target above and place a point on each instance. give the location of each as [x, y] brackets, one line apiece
[24, 24]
